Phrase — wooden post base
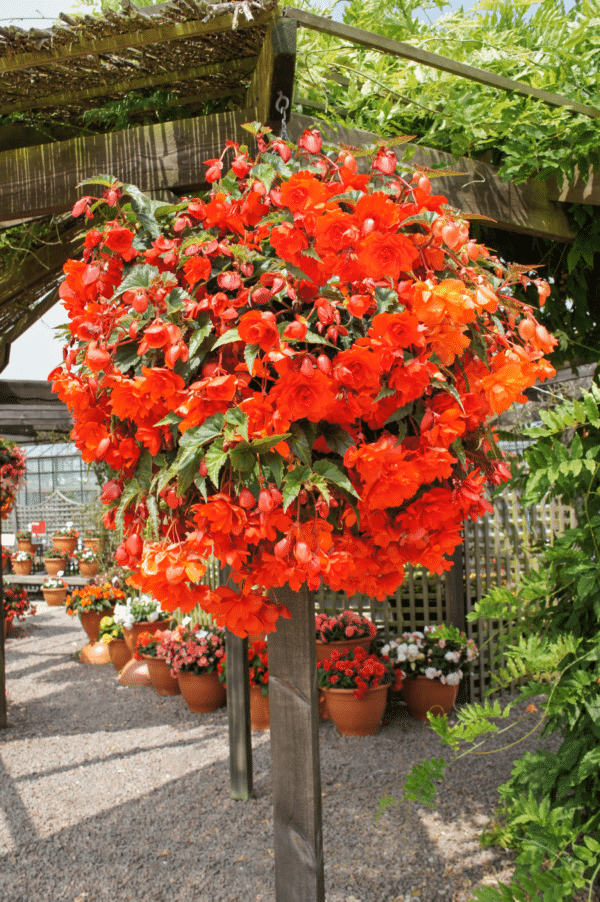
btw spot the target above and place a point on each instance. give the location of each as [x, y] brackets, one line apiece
[295, 768]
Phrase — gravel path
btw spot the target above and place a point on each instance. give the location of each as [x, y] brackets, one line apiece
[111, 793]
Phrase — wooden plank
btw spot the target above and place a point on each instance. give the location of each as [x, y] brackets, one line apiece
[141, 37]
[238, 713]
[434, 60]
[176, 76]
[273, 77]
[455, 589]
[295, 770]
[522, 208]
[168, 155]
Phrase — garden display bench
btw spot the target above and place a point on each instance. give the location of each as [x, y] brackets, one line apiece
[36, 580]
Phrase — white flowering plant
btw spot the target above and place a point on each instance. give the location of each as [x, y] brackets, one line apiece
[87, 556]
[439, 652]
[139, 609]
[21, 556]
[54, 582]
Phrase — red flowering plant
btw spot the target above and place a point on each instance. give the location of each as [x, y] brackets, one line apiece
[258, 666]
[12, 475]
[148, 644]
[16, 603]
[357, 670]
[195, 650]
[294, 373]
[340, 627]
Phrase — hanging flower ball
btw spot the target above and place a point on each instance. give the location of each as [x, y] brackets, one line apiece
[295, 373]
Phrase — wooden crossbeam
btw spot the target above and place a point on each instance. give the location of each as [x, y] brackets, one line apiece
[433, 60]
[114, 43]
[229, 67]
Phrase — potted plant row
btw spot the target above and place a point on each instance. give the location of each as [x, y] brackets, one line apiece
[356, 685]
[91, 604]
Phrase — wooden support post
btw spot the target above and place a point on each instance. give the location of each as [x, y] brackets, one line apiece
[295, 769]
[238, 710]
[3, 715]
[456, 607]
[273, 77]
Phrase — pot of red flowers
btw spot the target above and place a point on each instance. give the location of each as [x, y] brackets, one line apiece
[16, 607]
[24, 542]
[22, 562]
[6, 553]
[12, 475]
[92, 603]
[87, 561]
[343, 632]
[54, 590]
[432, 663]
[110, 633]
[91, 540]
[356, 685]
[197, 663]
[65, 539]
[258, 665]
[147, 648]
[138, 614]
[54, 562]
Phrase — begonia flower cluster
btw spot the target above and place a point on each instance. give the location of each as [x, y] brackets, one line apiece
[12, 475]
[294, 373]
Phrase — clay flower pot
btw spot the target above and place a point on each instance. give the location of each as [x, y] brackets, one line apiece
[353, 716]
[54, 565]
[202, 691]
[88, 568]
[324, 650]
[136, 673]
[161, 677]
[131, 634]
[22, 568]
[118, 653]
[90, 621]
[26, 545]
[54, 597]
[93, 544]
[259, 709]
[65, 544]
[423, 695]
[95, 653]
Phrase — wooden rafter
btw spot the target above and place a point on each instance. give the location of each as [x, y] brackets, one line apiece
[114, 43]
[229, 67]
[434, 60]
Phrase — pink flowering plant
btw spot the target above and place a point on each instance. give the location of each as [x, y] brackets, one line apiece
[148, 644]
[344, 626]
[440, 652]
[195, 650]
[356, 670]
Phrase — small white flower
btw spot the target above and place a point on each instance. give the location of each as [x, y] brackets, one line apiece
[61, 573]
[153, 616]
[432, 674]
[452, 656]
[386, 649]
[452, 679]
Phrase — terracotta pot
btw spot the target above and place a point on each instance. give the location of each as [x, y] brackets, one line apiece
[92, 544]
[259, 709]
[22, 568]
[118, 653]
[95, 653]
[90, 621]
[26, 545]
[202, 691]
[64, 544]
[54, 597]
[255, 637]
[5, 563]
[54, 565]
[132, 634]
[161, 677]
[423, 695]
[324, 649]
[88, 568]
[135, 673]
[353, 716]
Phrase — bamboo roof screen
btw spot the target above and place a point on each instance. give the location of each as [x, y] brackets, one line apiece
[196, 49]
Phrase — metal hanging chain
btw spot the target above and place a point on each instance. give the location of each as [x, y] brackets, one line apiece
[282, 105]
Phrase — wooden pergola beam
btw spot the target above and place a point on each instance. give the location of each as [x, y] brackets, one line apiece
[114, 43]
[229, 67]
[433, 60]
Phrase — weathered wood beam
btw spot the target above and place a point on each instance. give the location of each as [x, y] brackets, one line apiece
[272, 84]
[426, 58]
[113, 43]
[43, 179]
[238, 712]
[36, 266]
[517, 208]
[295, 768]
[230, 67]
